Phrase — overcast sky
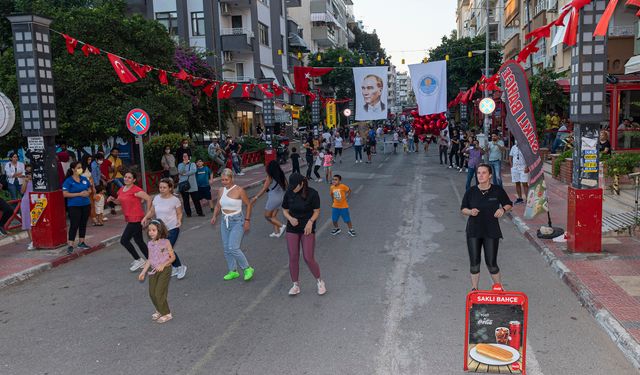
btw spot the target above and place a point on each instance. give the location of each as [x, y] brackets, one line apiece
[407, 25]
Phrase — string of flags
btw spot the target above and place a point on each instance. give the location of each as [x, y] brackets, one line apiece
[569, 13]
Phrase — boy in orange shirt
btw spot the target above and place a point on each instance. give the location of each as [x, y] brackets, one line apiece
[340, 208]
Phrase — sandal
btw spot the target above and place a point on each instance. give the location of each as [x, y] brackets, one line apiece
[164, 318]
[156, 315]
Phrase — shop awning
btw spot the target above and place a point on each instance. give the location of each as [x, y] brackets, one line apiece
[296, 41]
[269, 73]
[564, 84]
[287, 81]
[633, 65]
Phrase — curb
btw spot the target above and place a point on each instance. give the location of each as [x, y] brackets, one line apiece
[618, 334]
[24, 274]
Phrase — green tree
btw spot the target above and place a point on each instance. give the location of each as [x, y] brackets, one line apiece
[340, 79]
[463, 71]
[91, 101]
[368, 45]
[546, 95]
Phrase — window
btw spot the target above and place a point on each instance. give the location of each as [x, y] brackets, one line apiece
[169, 20]
[240, 71]
[282, 44]
[197, 23]
[263, 33]
[265, 2]
[628, 128]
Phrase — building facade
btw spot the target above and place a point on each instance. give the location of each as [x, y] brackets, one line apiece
[403, 89]
[323, 24]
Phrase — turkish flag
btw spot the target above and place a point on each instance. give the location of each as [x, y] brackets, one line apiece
[198, 82]
[226, 90]
[71, 43]
[209, 89]
[277, 89]
[302, 75]
[123, 73]
[603, 25]
[182, 75]
[287, 89]
[162, 77]
[246, 90]
[88, 49]
[264, 87]
[141, 70]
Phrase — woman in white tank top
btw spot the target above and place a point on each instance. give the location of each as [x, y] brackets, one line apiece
[233, 225]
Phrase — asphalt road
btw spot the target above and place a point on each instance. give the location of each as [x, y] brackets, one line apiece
[395, 301]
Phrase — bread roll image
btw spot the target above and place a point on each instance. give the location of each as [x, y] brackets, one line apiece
[494, 352]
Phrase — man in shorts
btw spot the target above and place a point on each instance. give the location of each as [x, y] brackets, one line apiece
[203, 178]
[519, 173]
[340, 208]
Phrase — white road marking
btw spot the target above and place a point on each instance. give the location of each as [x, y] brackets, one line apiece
[380, 165]
[197, 367]
[455, 189]
[370, 176]
[359, 189]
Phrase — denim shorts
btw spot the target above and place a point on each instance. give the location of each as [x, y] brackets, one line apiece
[336, 213]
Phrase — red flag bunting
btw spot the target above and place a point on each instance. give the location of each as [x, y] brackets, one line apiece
[226, 90]
[71, 43]
[141, 70]
[264, 87]
[287, 89]
[603, 25]
[210, 88]
[88, 49]
[182, 75]
[162, 77]
[302, 75]
[276, 89]
[246, 90]
[123, 73]
[198, 82]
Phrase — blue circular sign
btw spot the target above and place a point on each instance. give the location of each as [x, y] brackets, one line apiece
[138, 121]
[428, 85]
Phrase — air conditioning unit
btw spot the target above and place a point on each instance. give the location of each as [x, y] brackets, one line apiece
[228, 56]
[225, 8]
[317, 81]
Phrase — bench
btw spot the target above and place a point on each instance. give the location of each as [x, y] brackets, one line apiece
[619, 222]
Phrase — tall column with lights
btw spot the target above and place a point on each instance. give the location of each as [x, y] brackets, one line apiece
[32, 51]
[587, 106]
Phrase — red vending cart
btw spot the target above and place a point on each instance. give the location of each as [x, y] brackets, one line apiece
[496, 332]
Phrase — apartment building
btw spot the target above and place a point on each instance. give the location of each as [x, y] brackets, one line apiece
[323, 24]
[403, 87]
[250, 41]
[472, 20]
[392, 100]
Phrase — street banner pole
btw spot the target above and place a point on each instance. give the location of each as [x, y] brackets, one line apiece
[142, 168]
[138, 122]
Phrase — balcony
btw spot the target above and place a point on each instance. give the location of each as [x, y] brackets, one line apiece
[237, 79]
[509, 32]
[622, 31]
[318, 6]
[541, 6]
[293, 3]
[227, 5]
[512, 47]
[237, 39]
[324, 36]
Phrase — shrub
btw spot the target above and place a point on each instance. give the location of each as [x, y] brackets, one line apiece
[622, 163]
[250, 144]
[154, 149]
[559, 160]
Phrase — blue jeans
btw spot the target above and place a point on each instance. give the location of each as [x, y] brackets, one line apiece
[173, 238]
[235, 162]
[412, 145]
[232, 231]
[358, 150]
[495, 165]
[14, 188]
[471, 172]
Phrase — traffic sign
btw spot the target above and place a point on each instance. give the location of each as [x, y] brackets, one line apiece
[487, 106]
[346, 112]
[138, 121]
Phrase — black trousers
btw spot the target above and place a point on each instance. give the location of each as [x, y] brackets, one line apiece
[195, 197]
[295, 167]
[134, 230]
[315, 170]
[443, 154]
[78, 216]
[309, 166]
[7, 211]
[490, 245]
[454, 153]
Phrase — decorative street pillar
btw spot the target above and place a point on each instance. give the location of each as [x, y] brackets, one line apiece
[268, 116]
[32, 51]
[588, 71]
[316, 107]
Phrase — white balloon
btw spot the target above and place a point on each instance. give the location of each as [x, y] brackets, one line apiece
[7, 115]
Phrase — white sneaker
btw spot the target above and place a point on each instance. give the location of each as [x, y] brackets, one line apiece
[174, 271]
[274, 234]
[240, 174]
[295, 289]
[319, 180]
[282, 229]
[136, 265]
[30, 246]
[321, 288]
[182, 271]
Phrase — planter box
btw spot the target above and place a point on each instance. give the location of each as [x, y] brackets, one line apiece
[566, 171]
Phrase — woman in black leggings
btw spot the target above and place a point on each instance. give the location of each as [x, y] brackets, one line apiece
[76, 189]
[485, 204]
[455, 149]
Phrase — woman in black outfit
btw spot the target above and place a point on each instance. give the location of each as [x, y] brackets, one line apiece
[485, 204]
[455, 149]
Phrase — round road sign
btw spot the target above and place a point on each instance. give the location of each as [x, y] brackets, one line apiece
[138, 121]
[346, 112]
[7, 115]
[487, 106]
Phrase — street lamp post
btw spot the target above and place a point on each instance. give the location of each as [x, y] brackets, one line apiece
[486, 69]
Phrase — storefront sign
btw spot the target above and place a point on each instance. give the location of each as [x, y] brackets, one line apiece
[37, 210]
[585, 157]
[496, 332]
[331, 114]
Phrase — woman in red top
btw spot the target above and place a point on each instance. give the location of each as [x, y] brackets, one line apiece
[130, 197]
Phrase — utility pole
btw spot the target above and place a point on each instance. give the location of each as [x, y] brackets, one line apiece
[486, 68]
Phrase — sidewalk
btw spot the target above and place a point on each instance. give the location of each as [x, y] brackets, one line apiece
[18, 264]
[607, 284]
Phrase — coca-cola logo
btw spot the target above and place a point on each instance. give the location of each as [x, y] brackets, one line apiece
[515, 366]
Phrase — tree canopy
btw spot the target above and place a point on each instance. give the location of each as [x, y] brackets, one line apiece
[463, 71]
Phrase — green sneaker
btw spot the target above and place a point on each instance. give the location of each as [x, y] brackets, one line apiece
[231, 275]
[248, 273]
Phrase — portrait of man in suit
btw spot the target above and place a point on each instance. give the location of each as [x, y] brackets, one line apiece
[372, 86]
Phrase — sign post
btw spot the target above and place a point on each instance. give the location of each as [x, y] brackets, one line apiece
[138, 123]
[331, 114]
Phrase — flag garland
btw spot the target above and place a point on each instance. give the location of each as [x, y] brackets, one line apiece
[208, 86]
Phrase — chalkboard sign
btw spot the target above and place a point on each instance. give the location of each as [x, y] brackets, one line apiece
[495, 334]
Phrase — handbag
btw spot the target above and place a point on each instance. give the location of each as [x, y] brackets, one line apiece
[185, 186]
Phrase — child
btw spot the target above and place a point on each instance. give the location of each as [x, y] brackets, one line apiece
[328, 164]
[295, 161]
[318, 163]
[160, 258]
[340, 194]
[367, 150]
[405, 146]
[203, 175]
[98, 198]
